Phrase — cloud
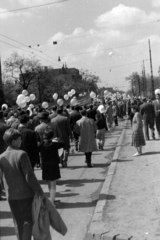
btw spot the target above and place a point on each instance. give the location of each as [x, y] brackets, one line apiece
[121, 16]
[156, 3]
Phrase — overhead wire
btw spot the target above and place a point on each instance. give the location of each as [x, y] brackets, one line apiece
[25, 50]
[35, 6]
[27, 46]
[106, 30]
[105, 49]
[107, 68]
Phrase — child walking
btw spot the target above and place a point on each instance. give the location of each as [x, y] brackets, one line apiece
[50, 161]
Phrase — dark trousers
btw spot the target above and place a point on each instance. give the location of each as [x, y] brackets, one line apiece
[22, 217]
[76, 139]
[88, 157]
[115, 120]
[148, 123]
[158, 123]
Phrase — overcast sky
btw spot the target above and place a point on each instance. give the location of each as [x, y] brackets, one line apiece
[109, 37]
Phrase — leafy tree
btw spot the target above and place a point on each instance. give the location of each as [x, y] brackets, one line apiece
[21, 70]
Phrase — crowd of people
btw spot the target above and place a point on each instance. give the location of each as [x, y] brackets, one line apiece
[40, 137]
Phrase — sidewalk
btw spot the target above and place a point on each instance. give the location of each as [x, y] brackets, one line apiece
[78, 191]
[129, 202]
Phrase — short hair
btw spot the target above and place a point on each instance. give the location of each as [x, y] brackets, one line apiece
[54, 108]
[23, 118]
[60, 110]
[77, 107]
[68, 106]
[10, 135]
[83, 112]
[135, 107]
[27, 112]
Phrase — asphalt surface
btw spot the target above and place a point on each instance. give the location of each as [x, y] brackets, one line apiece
[78, 191]
[130, 202]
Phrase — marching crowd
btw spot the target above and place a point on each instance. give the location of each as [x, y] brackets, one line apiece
[41, 137]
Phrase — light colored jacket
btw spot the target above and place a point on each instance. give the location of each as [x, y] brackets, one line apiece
[45, 215]
[86, 128]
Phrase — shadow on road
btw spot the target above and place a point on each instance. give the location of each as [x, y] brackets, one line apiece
[5, 215]
[77, 182]
[122, 160]
[7, 231]
[65, 205]
[150, 153]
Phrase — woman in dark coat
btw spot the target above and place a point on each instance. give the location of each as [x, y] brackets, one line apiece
[50, 161]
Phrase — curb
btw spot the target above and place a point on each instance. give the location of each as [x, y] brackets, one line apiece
[98, 228]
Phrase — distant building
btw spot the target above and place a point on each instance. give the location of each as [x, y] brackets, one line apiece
[59, 73]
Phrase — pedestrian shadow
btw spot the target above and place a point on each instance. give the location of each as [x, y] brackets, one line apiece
[122, 160]
[85, 166]
[150, 153]
[82, 154]
[5, 215]
[78, 182]
[67, 205]
[59, 195]
[7, 231]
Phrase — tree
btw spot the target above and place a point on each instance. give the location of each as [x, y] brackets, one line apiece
[21, 70]
[135, 81]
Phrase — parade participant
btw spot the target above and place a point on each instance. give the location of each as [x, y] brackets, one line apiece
[74, 117]
[53, 113]
[3, 146]
[148, 115]
[86, 129]
[109, 113]
[115, 113]
[11, 118]
[20, 183]
[50, 161]
[29, 142]
[91, 113]
[137, 136]
[156, 105]
[44, 125]
[63, 124]
[101, 128]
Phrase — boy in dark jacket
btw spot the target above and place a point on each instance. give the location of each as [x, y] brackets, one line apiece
[20, 183]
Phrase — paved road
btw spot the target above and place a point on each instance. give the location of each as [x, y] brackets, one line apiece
[131, 195]
[78, 192]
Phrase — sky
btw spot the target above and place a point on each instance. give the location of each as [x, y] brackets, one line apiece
[108, 38]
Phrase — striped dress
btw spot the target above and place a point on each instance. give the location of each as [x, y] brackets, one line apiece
[137, 127]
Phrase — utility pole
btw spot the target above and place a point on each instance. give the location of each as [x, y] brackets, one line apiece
[139, 86]
[144, 79]
[1, 86]
[152, 81]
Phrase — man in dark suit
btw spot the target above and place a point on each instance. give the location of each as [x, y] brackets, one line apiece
[74, 117]
[29, 142]
[91, 113]
[3, 146]
[64, 125]
[148, 114]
